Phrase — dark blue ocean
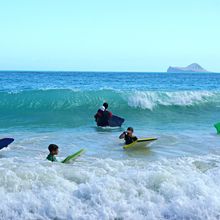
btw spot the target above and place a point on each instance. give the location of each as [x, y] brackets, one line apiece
[176, 177]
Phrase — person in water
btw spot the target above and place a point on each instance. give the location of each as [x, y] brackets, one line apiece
[53, 148]
[128, 136]
[103, 115]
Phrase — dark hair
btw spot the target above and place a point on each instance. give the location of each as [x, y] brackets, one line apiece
[130, 129]
[52, 147]
[105, 105]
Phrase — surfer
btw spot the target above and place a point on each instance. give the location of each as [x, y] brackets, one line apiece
[128, 136]
[103, 115]
[53, 148]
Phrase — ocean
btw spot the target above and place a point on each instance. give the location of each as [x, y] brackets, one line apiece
[176, 177]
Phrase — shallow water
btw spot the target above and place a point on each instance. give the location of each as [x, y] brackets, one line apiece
[177, 177]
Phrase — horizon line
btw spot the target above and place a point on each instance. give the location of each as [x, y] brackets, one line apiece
[96, 71]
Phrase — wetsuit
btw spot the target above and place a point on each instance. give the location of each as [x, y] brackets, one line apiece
[51, 158]
[102, 117]
[129, 140]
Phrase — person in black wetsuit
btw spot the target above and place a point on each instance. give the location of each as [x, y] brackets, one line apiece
[103, 115]
[128, 136]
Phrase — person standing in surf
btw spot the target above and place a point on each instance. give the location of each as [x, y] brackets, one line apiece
[103, 115]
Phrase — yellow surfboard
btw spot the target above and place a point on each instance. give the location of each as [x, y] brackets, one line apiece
[142, 142]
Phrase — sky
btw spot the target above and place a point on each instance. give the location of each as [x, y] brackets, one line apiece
[114, 35]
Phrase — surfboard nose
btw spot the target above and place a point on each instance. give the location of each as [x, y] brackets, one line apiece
[4, 142]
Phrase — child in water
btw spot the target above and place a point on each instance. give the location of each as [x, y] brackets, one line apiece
[53, 148]
[128, 136]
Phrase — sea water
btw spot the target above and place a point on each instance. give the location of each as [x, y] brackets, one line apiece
[177, 177]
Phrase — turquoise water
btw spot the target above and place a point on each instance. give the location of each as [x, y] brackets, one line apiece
[177, 177]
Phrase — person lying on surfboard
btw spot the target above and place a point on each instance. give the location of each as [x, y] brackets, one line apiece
[53, 148]
[103, 115]
[128, 136]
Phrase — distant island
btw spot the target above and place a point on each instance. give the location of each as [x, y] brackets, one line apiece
[192, 68]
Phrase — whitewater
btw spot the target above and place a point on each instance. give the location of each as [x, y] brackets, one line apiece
[177, 177]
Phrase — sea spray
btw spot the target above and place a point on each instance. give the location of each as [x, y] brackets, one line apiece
[110, 189]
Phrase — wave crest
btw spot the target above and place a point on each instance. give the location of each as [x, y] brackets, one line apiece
[151, 99]
[69, 99]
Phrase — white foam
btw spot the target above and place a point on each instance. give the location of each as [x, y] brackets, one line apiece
[151, 99]
[110, 189]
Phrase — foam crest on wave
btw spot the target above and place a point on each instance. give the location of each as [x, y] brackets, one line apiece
[64, 99]
[152, 99]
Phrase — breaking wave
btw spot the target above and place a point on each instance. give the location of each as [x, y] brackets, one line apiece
[62, 99]
[76, 108]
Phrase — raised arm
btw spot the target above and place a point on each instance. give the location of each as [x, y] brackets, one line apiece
[122, 136]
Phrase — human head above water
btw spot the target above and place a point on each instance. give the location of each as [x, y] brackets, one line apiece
[130, 130]
[105, 105]
[53, 148]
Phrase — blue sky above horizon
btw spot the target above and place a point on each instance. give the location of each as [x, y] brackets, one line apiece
[111, 35]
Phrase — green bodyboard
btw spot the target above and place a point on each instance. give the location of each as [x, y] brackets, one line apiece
[73, 156]
[217, 126]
